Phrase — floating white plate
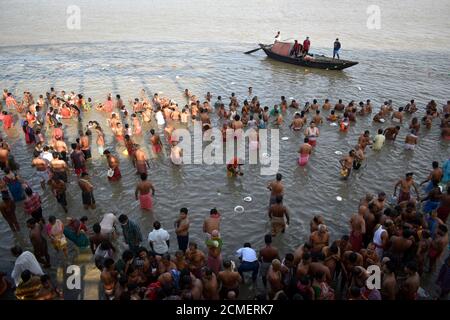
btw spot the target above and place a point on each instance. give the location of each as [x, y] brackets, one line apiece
[239, 209]
[333, 124]
[285, 138]
[248, 199]
[338, 152]
[382, 120]
[359, 88]
[339, 198]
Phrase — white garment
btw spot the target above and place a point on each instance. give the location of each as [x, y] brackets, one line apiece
[160, 118]
[108, 222]
[26, 261]
[247, 254]
[378, 241]
[175, 156]
[47, 156]
[158, 238]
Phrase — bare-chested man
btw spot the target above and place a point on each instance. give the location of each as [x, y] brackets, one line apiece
[87, 191]
[297, 123]
[364, 140]
[411, 140]
[438, 246]
[305, 152]
[408, 289]
[4, 155]
[266, 256]
[405, 188]
[400, 245]
[229, 279]
[212, 222]
[319, 238]
[435, 176]
[61, 147]
[210, 285]
[113, 163]
[358, 229]
[389, 286]
[38, 242]
[41, 166]
[109, 277]
[275, 277]
[142, 192]
[59, 167]
[196, 259]
[276, 189]
[277, 214]
[8, 211]
[347, 164]
[84, 145]
[304, 265]
[58, 188]
[391, 133]
[141, 160]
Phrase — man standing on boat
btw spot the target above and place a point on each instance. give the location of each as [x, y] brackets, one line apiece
[306, 45]
[296, 49]
[277, 37]
[337, 47]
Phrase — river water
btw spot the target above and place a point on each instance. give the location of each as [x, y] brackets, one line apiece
[167, 46]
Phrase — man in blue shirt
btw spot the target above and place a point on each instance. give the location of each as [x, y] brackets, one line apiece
[337, 47]
[249, 261]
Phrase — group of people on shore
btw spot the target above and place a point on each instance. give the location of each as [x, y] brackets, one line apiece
[401, 236]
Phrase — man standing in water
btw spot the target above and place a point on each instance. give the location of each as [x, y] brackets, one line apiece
[305, 151]
[131, 233]
[378, 140]
[141, 160]
[78, 160]
[182, 229]
[113, 163]
[38, 242]
[435, 176]
[336, 48]
[411, 140]
[87, 191]
[142, 192]
[8, 210]
[347, 164]
[58, 187]
[212, 222]
[391, 133]
[405, 188]
[277, 212]
[276, 189]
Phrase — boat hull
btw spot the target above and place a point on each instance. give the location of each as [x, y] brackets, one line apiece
[320, 63]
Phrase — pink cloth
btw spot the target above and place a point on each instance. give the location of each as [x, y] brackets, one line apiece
[303, 160]
[146, 201]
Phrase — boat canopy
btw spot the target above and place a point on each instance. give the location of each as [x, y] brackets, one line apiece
[282, 48]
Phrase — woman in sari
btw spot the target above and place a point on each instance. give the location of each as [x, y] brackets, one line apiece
[55, 232]
[76, 231]
[14, 183]
[29, 133]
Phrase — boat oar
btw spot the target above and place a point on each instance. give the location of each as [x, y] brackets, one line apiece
[254, 50]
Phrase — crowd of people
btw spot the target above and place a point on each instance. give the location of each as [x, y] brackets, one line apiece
[405, 236]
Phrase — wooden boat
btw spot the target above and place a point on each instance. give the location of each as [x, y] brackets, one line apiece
[281, 51]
